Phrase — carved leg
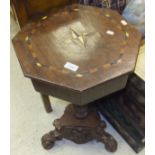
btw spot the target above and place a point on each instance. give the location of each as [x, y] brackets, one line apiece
[47, 103]
[106, 138]
[49, 139]
[80, 126]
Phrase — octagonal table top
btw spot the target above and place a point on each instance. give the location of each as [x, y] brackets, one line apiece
[77, 47]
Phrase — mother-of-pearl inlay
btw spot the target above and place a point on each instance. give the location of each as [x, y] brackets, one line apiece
[76, 33]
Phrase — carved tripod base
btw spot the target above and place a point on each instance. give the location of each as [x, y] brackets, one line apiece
[79, 130]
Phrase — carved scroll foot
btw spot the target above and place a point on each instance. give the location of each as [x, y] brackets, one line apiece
[107, 139]
[79, 130]
[49, 139]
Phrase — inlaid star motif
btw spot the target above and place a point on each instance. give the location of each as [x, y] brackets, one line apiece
[81, 37]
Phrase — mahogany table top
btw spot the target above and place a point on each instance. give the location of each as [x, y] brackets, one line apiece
[77, 47]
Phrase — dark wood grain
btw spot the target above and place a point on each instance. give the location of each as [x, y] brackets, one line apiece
[99, 48]
[84, 97]
[99, 41]
[27, 10]
[80, 130]
[45, 47]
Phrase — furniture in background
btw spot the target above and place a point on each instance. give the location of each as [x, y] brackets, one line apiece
[117, 5]
[27, 10]
[129, 104]
[79, 54]
[125, 110]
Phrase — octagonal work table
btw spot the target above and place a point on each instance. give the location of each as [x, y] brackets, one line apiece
[79, 54]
